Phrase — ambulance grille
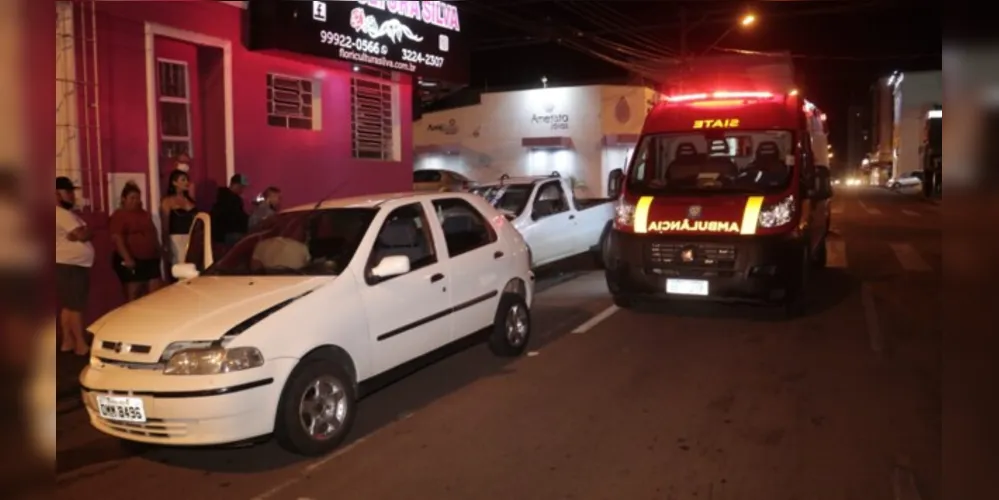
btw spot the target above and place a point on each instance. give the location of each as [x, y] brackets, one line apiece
[705, 255]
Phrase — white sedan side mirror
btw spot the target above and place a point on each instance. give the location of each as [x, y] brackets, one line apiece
[185, 271]
[390, 266]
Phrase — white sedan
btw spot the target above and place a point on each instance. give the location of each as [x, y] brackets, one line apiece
[282, 334]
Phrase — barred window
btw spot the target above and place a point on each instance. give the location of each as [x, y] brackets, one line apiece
[371, 119]
[290, 102]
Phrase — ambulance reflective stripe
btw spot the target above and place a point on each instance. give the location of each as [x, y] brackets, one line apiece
[642, 214]
[751, 215]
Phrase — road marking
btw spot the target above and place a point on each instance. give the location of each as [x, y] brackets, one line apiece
[910, 213]
[909, 258]
[836, 254]
[871, 319]
[869, 210]
[837, 210]
[596, 320]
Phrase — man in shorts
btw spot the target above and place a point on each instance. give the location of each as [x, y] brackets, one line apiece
[74, 258]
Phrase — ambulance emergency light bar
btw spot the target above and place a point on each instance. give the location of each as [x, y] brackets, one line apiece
[719, 95]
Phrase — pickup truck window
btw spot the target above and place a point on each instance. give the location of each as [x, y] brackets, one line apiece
[406, 232]
[550, 200]
[510, 199]
[465, 229]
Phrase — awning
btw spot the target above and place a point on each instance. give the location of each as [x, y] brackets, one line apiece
[547, 142]
[619, 140]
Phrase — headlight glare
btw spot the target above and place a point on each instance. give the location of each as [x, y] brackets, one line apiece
[778, 214]
[212, 361]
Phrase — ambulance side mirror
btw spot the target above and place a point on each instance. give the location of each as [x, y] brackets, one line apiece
[614, 183]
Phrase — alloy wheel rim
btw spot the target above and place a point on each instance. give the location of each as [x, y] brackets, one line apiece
[323, 408]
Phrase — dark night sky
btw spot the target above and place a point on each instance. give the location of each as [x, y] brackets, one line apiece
[843, 46]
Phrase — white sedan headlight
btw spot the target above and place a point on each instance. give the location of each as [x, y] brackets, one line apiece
[778, 214]
[213, 360]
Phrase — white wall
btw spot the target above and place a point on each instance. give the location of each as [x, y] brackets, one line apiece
[917, 93]
[490, 134]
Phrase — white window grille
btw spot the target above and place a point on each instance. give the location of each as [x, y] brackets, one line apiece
[174, 108]
[371, 119]
[291, 102]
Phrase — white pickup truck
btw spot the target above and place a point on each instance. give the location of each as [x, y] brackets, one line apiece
[553, 221]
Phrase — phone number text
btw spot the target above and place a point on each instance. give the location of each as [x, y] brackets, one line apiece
[421, 58]
[352, 43]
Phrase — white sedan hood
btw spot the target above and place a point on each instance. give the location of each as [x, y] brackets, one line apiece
[202, 309]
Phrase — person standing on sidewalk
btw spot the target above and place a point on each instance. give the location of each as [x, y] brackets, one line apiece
[229, 218]
[268, 206]
[74, 257]
[137, 257]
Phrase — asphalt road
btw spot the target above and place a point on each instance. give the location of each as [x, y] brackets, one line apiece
[679, 402]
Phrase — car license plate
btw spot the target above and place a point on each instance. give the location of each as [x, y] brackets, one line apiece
[687, 287]
[121, 408]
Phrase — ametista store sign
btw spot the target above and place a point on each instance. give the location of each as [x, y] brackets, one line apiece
[423, 38]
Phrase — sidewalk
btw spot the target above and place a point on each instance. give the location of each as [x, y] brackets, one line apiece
[68, 367]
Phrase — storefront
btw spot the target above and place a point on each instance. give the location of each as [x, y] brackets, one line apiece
[581, 132]
[312, 97]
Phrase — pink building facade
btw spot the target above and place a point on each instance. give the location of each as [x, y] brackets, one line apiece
[138, 82]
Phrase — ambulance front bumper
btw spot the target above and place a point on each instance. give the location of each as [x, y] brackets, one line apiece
[735, 268]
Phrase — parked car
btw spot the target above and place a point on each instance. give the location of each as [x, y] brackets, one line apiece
[284, 333]
[912, 179]
[555, 223]
[439, 180]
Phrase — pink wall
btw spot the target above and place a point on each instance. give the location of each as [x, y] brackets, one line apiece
[305, 164]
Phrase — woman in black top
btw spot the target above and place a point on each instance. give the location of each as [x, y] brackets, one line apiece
[177, 211]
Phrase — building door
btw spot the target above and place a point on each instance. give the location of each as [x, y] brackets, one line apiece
[179, 111]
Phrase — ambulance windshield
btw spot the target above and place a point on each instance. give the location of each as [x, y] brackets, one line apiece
[742, 161]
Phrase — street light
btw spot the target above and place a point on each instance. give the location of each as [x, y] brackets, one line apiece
[746, 21]
[544, 81]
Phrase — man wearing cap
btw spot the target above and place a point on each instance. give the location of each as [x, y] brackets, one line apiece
[229, 217]
[74, 257]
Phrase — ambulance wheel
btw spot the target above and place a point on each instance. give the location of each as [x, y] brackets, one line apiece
[795, 299]
[601, 254]
[623, 301]
[821, 256]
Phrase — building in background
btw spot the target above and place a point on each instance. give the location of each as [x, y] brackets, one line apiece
[264, 89]
[581, 132]
[880, 160]
[858, 138]
[915, 95]
[902, 102]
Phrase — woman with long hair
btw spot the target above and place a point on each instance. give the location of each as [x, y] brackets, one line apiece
[177, 211]
[136, 258]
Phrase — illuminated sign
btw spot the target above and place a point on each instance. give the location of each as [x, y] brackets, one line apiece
[687, 225]
[717, 123]
[422, 38]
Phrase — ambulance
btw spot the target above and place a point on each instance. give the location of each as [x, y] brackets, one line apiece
[726, 198]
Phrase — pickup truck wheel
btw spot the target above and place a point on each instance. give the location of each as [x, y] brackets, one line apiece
[316, 409]
[511, 327]
[602, 253]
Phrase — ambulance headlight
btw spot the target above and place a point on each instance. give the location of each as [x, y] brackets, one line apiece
[778, 214]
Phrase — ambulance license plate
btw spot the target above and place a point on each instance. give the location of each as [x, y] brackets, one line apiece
[687, 287]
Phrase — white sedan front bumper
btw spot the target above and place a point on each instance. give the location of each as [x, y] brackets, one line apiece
[188, 410]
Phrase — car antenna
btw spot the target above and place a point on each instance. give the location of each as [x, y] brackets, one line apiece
[503, 178]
